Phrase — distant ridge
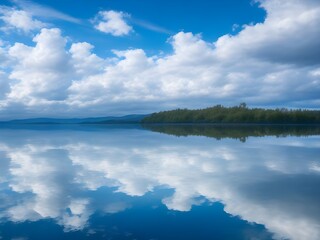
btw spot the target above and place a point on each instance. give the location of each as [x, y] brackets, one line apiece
[133, 118]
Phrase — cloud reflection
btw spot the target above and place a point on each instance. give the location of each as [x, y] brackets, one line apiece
[270, 181]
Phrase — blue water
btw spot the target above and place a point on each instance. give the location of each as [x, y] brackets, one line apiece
[126, 182]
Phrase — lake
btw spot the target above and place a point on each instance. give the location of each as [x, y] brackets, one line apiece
[159, 182]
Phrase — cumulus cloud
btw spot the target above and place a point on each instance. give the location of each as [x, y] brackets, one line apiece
[288, 35]
[84, 61]
[18, 20]
[41, 71]
[273, 63]
[113, 23]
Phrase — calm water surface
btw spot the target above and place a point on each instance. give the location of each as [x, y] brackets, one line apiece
[132, 183]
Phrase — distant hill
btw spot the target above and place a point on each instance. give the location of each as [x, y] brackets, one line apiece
[134, 118]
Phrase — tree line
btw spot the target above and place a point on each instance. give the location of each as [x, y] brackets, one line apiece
[236, 114]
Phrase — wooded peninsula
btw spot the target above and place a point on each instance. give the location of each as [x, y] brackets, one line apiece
[240, 114]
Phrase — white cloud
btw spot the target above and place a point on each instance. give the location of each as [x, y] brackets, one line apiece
[86, 63]
[19, 20]
[288, 35]
[41, 71]
[113, 23]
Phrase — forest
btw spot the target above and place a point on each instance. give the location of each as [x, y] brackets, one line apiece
[240, 114]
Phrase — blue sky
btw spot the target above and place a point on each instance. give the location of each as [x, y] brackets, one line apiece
[115, 57]
[153, 21]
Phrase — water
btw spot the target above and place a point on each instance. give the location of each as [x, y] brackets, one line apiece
[129, 182]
